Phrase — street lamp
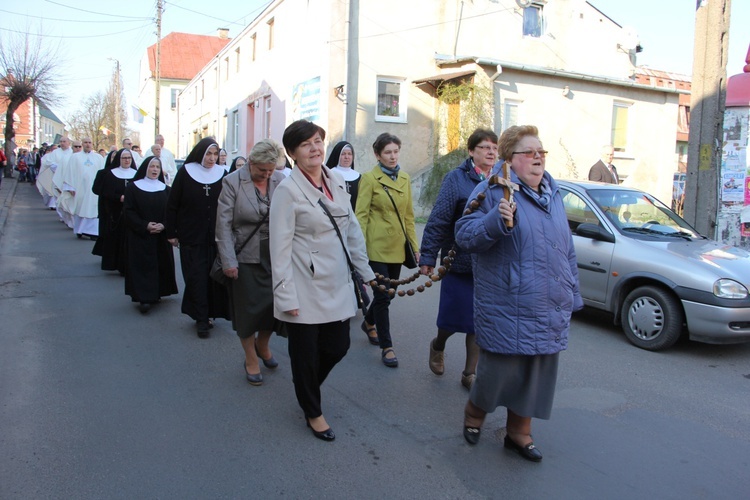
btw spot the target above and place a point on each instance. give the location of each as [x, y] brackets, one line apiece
[118, 110]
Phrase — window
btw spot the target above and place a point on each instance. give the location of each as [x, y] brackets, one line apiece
[253, 39]
[620, 126]
[270, 33]
[203, 87]
[173, 100]
[226, 68]
[533, 21]
[237, 55]
[391, 101]
[267, 117]
[577, 210]
[216, 76]
[236, 130]
[510, 113]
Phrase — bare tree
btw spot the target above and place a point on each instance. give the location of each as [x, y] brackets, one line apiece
[91, 121]
[29, 70]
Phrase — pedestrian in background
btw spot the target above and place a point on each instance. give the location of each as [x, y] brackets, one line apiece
[456, 310]
[242, 242]
[386, 215]
[341, 161]
[525, 289]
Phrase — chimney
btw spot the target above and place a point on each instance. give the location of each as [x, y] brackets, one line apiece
[223, 33]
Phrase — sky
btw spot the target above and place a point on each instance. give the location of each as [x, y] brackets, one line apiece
[91, 33]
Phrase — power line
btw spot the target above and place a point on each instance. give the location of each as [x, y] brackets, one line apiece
[204, 14]
[97, 13]
[70, 20]
[80, 36]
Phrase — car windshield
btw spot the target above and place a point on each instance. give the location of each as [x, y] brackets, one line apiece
[638, 212]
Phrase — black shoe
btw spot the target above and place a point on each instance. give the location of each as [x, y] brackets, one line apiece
[326, 435]
[389, 362]
[256, 379]
[529, 452]
[202, 327]
[268, 363]
[471, 434]
[144, 307]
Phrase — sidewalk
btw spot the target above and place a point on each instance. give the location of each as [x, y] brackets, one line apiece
[7, 192]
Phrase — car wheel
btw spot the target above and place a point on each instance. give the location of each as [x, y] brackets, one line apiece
[652, 318]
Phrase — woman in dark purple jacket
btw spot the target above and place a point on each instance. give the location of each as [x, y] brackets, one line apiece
[456, 311]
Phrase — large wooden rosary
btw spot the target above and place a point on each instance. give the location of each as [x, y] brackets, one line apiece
[383, 284]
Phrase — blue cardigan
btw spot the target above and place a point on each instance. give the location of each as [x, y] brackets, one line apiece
[438, 235]
[526, 277]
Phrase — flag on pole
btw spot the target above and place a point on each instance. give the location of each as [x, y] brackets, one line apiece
[138, 114]
[105, 130]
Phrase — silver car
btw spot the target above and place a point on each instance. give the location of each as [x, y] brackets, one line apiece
[640, 261]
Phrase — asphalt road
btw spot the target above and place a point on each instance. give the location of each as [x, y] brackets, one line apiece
[99, 401]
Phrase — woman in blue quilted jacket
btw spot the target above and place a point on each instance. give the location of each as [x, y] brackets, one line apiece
[525, 289]
[456, 310]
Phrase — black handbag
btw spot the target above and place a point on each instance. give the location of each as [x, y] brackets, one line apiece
[410, 258]
[217, 272]
[360, 290]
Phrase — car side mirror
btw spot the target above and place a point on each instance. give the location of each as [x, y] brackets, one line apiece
[595, 232]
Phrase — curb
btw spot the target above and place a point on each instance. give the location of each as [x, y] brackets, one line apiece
[7, 193]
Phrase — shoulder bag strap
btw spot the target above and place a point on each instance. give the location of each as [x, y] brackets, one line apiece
[398, 214]
[338, 233]
[257, 227]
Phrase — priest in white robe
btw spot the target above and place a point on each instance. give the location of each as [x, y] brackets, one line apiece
[82, 169]
[50, 163]
[63, 187]
[169, 167]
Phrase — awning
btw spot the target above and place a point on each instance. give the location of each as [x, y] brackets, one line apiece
[438, 79]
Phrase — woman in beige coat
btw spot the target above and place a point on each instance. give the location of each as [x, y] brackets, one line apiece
[242, 219]
[312, 285]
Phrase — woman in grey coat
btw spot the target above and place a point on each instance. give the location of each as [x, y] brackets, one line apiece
[242, 219]
[525, 289]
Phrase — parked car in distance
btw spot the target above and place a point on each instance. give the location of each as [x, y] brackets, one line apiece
[647, 266]
[179, 163]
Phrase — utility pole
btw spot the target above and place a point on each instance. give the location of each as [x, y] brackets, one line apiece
[159, 9]
[708, 97]
[118, 105]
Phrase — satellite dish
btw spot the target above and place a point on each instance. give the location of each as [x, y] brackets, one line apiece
[523, 3]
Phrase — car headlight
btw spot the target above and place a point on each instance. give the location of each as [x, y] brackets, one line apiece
[729, 289]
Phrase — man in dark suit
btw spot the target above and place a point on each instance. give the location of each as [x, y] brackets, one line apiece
[603, 170]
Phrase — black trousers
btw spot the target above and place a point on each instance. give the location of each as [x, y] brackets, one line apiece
[313, 352]
[377, 314]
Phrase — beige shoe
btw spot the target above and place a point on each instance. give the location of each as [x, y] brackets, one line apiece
[468, 380]
[437, 360]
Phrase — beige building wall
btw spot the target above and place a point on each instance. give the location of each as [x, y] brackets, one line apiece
[251, 89]
[168, 119]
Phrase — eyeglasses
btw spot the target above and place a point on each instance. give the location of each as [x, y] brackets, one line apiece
[491, 148]
[532, 153]
[77, 147]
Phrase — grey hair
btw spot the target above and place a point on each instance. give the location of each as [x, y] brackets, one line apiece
[264, 151]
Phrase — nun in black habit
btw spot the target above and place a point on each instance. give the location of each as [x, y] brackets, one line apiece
[150, 271]
[190, 225]
[111, 186]
[96, 188]
[341, 160]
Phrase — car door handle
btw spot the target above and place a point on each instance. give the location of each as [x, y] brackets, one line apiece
[593, 268]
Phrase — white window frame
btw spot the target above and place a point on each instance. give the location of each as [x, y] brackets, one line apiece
[507, 104]
[403, 103]
[626, 105]
[538, 6]
[267, 117]
[236, 130]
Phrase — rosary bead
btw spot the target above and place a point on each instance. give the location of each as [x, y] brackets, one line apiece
[474, 204]
[468, 211]
[481, 196]
[441, 271]
[435, 277]
[381, 288]
[420, 289]
[391, 292]
[428, 284]
[401, 293]
[410, 292]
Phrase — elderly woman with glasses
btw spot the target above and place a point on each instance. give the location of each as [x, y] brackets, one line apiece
[525, 290]
[456, 310]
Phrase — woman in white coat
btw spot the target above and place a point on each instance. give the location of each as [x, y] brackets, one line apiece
[312, 285]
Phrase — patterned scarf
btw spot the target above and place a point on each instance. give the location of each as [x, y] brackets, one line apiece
[390, 172]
